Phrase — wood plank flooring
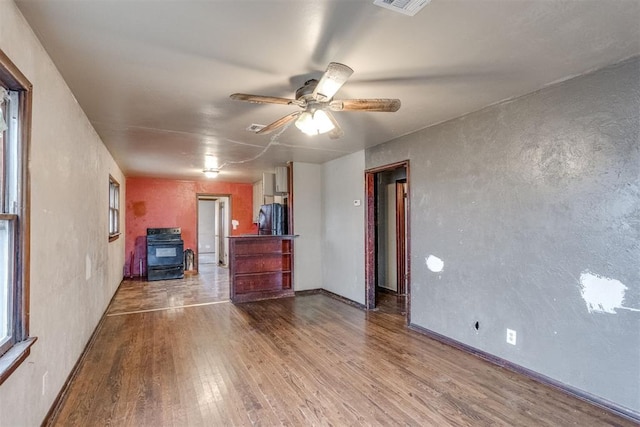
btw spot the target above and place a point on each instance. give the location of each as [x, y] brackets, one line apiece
[308, 360]
[210, 285]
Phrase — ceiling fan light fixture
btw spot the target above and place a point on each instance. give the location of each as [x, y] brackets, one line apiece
[305, 123]
[315, 98]
[322, 122]
[314, 123]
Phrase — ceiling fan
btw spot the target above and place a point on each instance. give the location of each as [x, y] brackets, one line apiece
[316, 100]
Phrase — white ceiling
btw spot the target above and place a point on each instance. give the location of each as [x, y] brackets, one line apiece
[154, 77]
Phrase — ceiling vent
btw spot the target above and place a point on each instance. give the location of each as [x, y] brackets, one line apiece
[406, 7]
[255, 128]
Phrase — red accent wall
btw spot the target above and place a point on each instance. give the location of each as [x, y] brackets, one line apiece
[153, 202]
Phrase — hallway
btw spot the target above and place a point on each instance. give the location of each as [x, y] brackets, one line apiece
[177, 353]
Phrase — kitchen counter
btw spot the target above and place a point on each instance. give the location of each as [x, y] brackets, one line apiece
[260, 267]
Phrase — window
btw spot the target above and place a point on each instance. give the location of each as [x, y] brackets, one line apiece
[9, 219]
[15, 109]
[114, 209]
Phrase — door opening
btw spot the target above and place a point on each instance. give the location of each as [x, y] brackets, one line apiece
[213, 227]
[387, 245]
[207, 253]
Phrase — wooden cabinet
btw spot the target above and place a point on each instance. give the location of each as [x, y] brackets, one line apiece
[282, 180]
[260, 267]
[272, 188]
[263, 193]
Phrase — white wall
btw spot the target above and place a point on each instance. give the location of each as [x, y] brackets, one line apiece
[206, 226]
[343, 243]
[307, 214]
[74, 269]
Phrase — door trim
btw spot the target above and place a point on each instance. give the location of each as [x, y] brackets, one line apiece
[370, 235]
[401, 237]
[210, 196]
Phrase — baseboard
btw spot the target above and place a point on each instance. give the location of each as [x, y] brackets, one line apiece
[62, 395]
[343, 299]
[308, 292]
[330, 295]
[607, 405]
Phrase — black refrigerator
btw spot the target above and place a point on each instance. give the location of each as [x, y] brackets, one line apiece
[272, 219]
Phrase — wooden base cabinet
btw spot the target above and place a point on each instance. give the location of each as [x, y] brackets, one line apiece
[260, 267]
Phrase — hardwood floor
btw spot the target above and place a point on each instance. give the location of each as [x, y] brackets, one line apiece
[390, 302]
[308, 360]
[210, 285]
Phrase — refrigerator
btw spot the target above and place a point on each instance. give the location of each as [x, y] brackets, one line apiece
[272, 219]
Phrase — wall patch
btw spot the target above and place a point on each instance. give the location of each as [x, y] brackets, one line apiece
[434, 263]
[602, 294]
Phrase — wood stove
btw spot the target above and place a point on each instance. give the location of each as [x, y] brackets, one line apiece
[164, 254]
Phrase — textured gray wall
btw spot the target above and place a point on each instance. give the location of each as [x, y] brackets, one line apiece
[533, 205]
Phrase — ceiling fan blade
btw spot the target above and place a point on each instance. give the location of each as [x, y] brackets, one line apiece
[260, 99]
[278, 123]
[375, 105]
[337, 131]
[331, 81]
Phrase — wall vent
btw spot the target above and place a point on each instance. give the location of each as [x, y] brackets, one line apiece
[255, 128]
[406, 7]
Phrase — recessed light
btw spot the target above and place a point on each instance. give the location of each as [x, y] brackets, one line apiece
[211, 172]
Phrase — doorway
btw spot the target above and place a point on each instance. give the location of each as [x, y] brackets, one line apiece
[387, 238]
[213, 228]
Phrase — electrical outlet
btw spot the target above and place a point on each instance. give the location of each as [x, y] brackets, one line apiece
[44, 382]
[511, 336]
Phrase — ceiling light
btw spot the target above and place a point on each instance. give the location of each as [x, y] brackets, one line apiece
[314, 123]
[323, 122]
[305, 123]
[211, 172]
[210, 162]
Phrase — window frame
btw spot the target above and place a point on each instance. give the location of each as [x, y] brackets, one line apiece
[13, 80]
[114, 208]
